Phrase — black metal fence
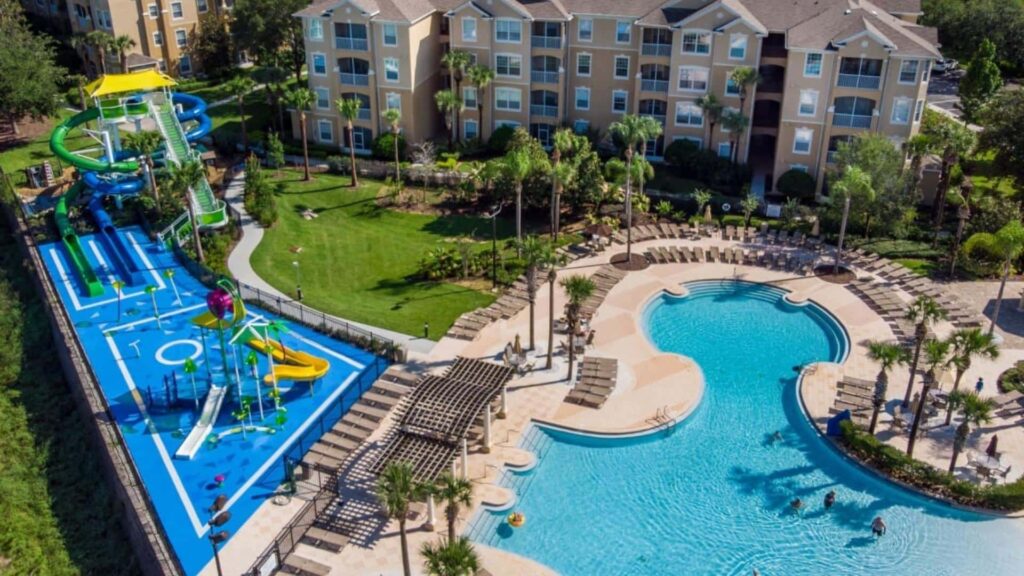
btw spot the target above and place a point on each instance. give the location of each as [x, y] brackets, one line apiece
[286, 541]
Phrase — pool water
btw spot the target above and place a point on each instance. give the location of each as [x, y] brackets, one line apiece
[711, 496]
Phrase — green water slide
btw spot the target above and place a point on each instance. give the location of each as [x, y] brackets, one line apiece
[211, 211]
[82, 162]
[71, 241]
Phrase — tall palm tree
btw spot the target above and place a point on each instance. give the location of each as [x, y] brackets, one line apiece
[302, 99]
[480, 76]
[122, 44]
[630, 130]
[184, 177]
[563, 143]
[452, 558]
[968, 343]
[918, 147]
[856, 183]
[456, 62]
[578, 289]
[455, 492]
[923, 312]
[534, 254]
[396, 489]
[887, 355]
[745, 78]
[349, 110]
[393, 116]
[712, 109]
[1007, 244]
[80, 80]
[652, 130]
[238, 87]
[99, 41]
[449, 103]
[517, 167]
[552, 261]
[146, 143]
[936, 353]
[955, 141]
[736, 123]
[976, 411]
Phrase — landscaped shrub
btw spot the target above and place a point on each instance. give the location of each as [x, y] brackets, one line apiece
[500, 139]
[338, 164]
[705, 166]
[796, 184]
[384, 147]
[259, 193]
[1013, 378]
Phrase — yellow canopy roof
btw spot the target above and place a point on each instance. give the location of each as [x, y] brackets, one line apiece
[134, 82]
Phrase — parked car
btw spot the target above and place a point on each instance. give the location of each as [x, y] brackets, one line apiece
[945, 65]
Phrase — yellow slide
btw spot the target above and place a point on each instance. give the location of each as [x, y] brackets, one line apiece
[290, 364]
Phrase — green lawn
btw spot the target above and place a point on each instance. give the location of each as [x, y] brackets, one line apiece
[358, 260]
[987, 178]
[14, 160]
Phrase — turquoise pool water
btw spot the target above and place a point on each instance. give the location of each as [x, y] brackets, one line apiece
[712, 496]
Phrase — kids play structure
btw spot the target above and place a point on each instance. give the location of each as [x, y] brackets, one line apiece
[138, 101]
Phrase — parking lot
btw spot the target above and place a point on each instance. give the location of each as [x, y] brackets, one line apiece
[943, 91]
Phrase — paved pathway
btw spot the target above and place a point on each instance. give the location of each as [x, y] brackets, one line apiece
[240, 267]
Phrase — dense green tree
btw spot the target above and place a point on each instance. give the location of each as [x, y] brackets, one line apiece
[893, 209]
[275, 151]
[211, 45]
[267, 30]
[1003, 119]
[29, 77]
[964, 24]
[184, 177]
[981, 82]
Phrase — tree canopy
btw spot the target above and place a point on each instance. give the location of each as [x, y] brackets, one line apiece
[211, 45]
[1002, 119]
[267, 30]
[981, 82]
[29, 75]
[964, 24]
[890, 209]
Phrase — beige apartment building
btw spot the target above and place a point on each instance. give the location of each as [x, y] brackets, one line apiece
[830, 69]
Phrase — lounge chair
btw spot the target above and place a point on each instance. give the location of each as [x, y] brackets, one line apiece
[713, 254]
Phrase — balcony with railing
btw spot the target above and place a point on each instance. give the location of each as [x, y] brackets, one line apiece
[654, 85]
[851, 120]
[350, 37]
[654, 49]
[544, 103]
[654, 78]
[354, 79]
[774, 46]
[544, 110]
[554, 42]
[862, 73]
[356, 44]
[544, 69]
[859, 81]
[546, 35]
[661, 118]
[773, 79]
[656, 42]
[544, 77]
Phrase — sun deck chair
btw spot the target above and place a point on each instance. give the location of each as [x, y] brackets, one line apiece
[727, 255]
[698, 254]
[713, 254]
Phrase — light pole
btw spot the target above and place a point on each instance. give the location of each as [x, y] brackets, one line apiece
[219, 518]
[298, 280]
[842, 236]
[494, 245]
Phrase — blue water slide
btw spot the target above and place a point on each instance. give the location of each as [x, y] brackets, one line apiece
[123, 259]
[193, 108]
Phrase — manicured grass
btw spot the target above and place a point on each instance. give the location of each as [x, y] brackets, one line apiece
[918, 266]
[15, 160]
[359, 261]
[986, 176]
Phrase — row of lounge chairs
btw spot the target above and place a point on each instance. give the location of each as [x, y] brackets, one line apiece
[597, 377]
[791, 261]
[605, 279]
[855, 395]
[513, 301]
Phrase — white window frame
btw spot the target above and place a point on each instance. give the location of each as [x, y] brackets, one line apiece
[800, 168]
[158, 38]
[580, 126]
[469, 38]
[576, 97]
[615, 67]
[509, 58]
[917, 67]
[707, 78]
[625, 101]
[809, 133]
[918, 111]
[384, 34]
[508, 92]
[590, 30]
[392, 63]
[590, 64]
[690, 115]
[821, 64]
[152, 11]
[181, 11]
[909, 103]
[388, 104]
[320, 130]
[498, 22]
[202, 6]
[728, 149]
[465, 129]
[312, 63]
[181, 38]
[814, 103]
[322, 90]
[629, 32]
[315, 30]
[699, 35]
[466, 99]
[732, 46]
[185, 65]
[730, 84]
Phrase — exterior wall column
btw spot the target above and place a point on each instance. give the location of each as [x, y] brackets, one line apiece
[465, 459]
[487, 429]
[431, 514]
[503, 411]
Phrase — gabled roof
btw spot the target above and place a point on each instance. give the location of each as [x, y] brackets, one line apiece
[387, 10]
[851, 19]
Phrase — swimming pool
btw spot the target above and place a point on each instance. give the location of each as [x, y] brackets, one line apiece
[711, 496]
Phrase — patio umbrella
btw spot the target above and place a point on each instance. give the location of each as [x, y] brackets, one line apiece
[707, 214]
[517, 348]
[991, 450]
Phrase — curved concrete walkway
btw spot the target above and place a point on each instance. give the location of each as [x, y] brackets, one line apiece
[240, 267]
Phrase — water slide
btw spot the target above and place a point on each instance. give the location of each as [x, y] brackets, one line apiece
[82, 162]
[123, 260]
[193, 108]
[72, 244]
[290, 364]
[207, 418]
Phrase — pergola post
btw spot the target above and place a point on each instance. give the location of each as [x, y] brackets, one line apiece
[465, 459]
[487, 429]
[431, 514]
[504, 401]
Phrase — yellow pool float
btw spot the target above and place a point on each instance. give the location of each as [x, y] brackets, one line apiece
[516, 519]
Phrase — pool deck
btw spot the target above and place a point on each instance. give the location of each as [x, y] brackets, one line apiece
[649, 382]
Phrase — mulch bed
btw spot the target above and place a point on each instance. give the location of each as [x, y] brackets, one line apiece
[845, 275]
[636, 262]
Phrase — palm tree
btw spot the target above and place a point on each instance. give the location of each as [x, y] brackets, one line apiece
[452, 558]
[80, 80]
[856, 183]
[534, 253]
[561, 174]
[393, 116]
[122, 44]
[481, 76]
[449, 103]
[923, 312]
[184, 177]
[517, 167]
[956, 141]
[349, 110]
[749, 204]
[630, 130]
[454, 492]
[887, 355]
[918, 147]
[745, 78]
[968, 343]
[146, 143]
[396, 489]
[302, 99]
[238, 87]
[736, 123]
[456, 62]
[99, 41]
[552, 261]
[712, 110]
[652, 129]
[1007, 243]
[936, 353]
[976, 411]
[578, 289]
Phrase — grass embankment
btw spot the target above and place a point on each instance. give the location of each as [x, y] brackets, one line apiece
[359, 261]
[58, 516]
[36, 151]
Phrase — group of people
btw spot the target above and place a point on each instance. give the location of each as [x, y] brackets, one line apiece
[878, 526]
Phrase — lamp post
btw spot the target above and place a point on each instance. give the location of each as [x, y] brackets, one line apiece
[494, 245]
[842, 236]
[298, 280]
[219, 517]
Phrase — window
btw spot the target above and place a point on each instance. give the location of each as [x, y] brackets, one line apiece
[201, 5]
[508, 99]
[689, 114]
[622, 67]
[581, 126]
[158, 38]
[390, 34]
[316, 29]
[900, 111]
[696, 43]
[325, 131]
[693, 79]
[585, 32]
[812, 65]
[319, 65]
[798, 167]
[925, 69]
[391, 69]
[176, 12]
[469, 96]
[808, 103]
[508, 65]
[180, 38]
[508, 31]
[185, 65]
[908, 71]
[727, 110]
[583, 64]
[393, 101]
[154, 12]
[725, 150]
[470, 129]
[917, 111]
[623, 31]
[802, 141]
[469, 29]
[583, 98]
[620, 101]
[738, 47]
[323, 97]
[731, 87]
